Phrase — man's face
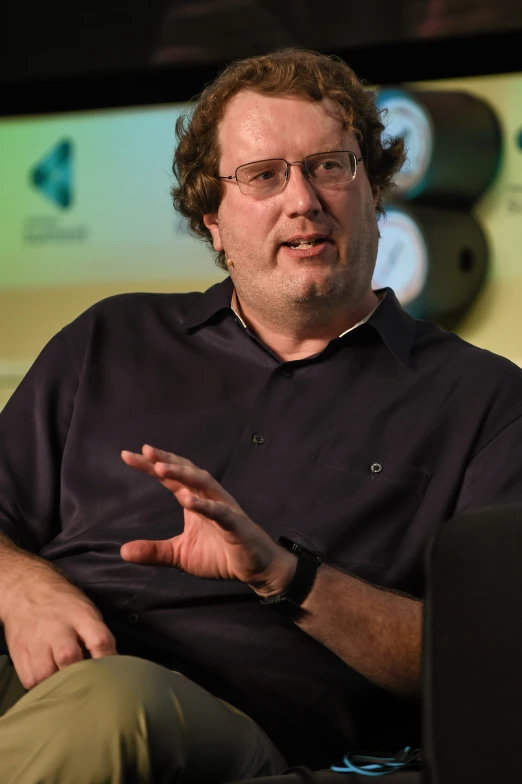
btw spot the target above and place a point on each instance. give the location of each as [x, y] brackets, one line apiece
[252, 231]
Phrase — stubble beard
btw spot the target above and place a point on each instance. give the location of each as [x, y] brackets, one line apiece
[291, 302]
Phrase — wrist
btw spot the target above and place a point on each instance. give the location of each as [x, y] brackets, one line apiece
[282, 571]
[288, 602]
[34, 583]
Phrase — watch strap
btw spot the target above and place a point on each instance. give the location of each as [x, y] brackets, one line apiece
[289, 601]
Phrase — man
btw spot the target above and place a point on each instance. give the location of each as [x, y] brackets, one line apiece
[289, 441]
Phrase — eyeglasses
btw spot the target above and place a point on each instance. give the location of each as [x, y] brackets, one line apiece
[268, 177]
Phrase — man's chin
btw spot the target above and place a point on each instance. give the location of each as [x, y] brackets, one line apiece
[318, 288]
[314, 297]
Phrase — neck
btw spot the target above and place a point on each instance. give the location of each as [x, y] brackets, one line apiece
[302, 339]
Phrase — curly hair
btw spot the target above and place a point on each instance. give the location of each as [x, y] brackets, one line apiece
[290, 71]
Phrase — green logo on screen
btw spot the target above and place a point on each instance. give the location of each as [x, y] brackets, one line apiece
[53, 174]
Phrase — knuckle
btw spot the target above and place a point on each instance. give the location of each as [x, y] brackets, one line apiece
[96, 635]
[102, 640]
[87, 614]
[67, 655]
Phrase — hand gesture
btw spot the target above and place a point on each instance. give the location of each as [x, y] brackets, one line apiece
[219, 540]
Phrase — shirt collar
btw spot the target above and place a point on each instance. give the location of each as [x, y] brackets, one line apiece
[362, 321]
[218, 297]
[395, 327]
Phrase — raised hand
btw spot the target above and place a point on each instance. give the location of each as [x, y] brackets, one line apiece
[219, 540]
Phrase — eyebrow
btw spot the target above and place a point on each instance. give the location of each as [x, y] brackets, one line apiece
[280, 157]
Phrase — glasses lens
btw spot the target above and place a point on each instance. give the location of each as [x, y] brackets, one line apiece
[262, 177]
[331, 168]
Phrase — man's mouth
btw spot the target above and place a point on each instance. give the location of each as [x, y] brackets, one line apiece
[304, 244]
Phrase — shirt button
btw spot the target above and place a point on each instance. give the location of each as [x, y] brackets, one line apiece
[287, 372]
[258, 438]
[133, 618]
[376, 468]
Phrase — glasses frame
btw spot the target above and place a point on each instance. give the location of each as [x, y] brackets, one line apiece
[302, 163]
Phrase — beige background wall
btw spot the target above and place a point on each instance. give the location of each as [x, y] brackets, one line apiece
[29, 317]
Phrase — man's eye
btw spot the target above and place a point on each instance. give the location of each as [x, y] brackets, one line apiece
[265, 175]
[329, 165]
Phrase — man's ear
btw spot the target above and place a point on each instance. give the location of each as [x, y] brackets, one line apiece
[376, 192]
[211, 222]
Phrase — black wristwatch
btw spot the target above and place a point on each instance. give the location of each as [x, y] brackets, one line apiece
[289, 602]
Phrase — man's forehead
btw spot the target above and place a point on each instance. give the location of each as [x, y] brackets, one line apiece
[252, 119]
[249, 97]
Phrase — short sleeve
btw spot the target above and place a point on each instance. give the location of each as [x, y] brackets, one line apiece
[494, 475]
[33, 432]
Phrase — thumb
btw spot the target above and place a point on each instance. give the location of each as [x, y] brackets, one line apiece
[146, 551]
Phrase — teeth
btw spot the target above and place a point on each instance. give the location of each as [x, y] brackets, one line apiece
[305, 243]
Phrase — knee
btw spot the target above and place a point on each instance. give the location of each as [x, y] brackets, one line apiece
[121, 688]
[116, 674]
[112, 714]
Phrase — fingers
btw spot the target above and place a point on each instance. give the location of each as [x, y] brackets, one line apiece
[34, 666]
[185, 474]
[176, 472]
[138, 461]
[148, 466]
[150, 455]
[226, 518]
[176, 477]
[67, 651]
[160, 456]
[32, 669]
[149, 552]
[97, 639]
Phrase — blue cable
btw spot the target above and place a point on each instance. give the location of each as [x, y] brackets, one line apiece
[376, 766]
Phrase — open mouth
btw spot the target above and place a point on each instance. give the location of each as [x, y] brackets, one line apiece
[304, 244]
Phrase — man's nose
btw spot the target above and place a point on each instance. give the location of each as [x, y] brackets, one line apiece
[300, 194]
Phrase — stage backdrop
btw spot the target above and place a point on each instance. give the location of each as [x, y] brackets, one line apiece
[86, 213]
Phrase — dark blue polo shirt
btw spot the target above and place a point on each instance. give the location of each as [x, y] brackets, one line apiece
[359, 453]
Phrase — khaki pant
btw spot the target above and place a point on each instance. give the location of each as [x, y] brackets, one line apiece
[123, 720]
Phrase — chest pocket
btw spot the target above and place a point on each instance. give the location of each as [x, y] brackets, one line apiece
[355, 509]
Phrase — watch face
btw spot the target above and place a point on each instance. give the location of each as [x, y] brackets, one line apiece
[405, 117]
[402, 258]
